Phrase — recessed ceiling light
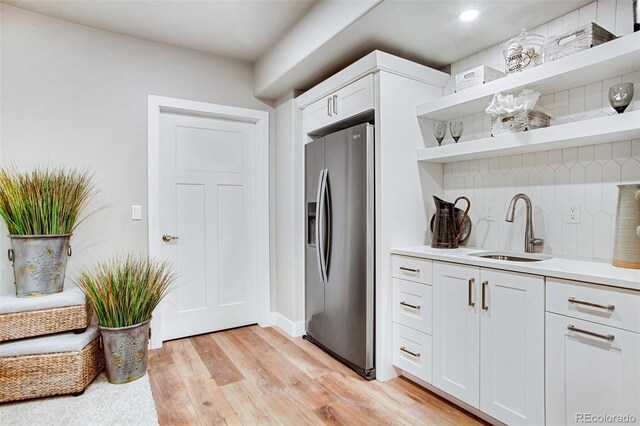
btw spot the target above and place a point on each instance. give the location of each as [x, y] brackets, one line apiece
[469, 15]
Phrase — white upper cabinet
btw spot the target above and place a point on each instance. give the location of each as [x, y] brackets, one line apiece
[351, 100]
[512, 347]
[456, 331]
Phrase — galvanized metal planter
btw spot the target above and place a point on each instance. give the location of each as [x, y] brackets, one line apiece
[125, 352]
[39, 263]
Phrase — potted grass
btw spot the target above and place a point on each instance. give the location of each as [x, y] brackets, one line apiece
[124, 291]
[41, 209]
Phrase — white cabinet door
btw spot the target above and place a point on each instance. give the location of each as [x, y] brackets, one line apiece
[591, 369]
[456, 331]
[351, 100]
[317, 115]
[354, 98]
[512, 347]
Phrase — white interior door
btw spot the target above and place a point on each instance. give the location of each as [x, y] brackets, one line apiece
[207, 198]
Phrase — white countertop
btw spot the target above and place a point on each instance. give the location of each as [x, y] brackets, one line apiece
[587, 270]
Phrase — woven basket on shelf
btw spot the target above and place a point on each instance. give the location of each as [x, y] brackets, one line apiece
[19, 325]
[35, 376]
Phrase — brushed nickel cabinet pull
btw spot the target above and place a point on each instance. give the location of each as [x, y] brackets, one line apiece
[414, 270]
[405, 350]
[329, 109]
[471, 302]
[409, 305]
[335, 104]
[608, 337]
[484, 295]
[594, 305]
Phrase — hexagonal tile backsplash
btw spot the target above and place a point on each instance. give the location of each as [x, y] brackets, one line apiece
[554, 180]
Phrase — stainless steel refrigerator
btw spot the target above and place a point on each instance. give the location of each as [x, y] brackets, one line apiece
[339, 273]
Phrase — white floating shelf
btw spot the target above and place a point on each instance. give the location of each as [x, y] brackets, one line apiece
[610, 59]
[587, 132]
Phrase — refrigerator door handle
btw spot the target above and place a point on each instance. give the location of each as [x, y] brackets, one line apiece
[326, 228]
[319, 224]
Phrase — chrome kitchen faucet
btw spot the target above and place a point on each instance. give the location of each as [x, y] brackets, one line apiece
[530, 242]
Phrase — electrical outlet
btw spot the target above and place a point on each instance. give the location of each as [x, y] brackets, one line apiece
[573, 213]
[489, 212]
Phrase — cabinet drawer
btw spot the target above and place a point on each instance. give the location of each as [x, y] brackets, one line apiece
[412, 305]
[614, 307]
[412, 269]
[412, 351]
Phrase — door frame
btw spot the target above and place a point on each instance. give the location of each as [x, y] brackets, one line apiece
[163, 104]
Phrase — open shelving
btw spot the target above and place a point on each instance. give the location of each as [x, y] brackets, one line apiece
[587, 132]
[610, 59]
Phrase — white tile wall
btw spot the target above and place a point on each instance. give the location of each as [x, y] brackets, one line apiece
[554, 180]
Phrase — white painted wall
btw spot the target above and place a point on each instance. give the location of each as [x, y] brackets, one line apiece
[555, 179]
[78, 96]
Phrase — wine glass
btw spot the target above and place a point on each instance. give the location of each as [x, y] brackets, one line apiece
[455, 127]
[439, 131]
[620, 96]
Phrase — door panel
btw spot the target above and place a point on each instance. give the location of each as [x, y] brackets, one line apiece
[512, 347]
[456, 330]
[314, 287]
[346, 298]
[589, 374]
[190, 254]
[208, 200]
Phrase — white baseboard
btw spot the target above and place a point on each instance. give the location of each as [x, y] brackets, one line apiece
[295, 329]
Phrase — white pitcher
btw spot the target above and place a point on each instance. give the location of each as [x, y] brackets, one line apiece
[626, 247]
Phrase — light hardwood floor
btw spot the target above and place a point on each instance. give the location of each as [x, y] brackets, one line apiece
[256, 376]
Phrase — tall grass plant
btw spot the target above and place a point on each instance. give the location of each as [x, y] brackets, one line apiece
[125, 290]
[44, 201]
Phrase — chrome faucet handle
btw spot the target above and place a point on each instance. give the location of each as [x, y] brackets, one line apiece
[537, 241]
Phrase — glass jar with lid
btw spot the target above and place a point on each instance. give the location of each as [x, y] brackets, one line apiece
[524, 51]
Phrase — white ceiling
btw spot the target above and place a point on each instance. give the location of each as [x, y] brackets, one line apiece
[425, 31]
[240, 29]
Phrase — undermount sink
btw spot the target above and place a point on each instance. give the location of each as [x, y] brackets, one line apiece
[511, 256]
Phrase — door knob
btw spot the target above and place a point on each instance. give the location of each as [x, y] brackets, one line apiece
[166, 238]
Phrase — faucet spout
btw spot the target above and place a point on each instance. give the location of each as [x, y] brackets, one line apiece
[530, 242]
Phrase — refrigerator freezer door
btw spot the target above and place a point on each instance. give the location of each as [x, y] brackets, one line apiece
[348, 320]
[314, 286]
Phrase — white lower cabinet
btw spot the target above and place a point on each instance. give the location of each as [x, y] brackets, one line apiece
[456, 331]
[488, 340]
[512, 347]
[412, 351]
[592, 368]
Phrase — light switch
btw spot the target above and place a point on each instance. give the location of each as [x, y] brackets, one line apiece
[136, 212]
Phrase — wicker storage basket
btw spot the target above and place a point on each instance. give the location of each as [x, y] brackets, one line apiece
[477, 76]
[19, 325]
[575, 41]
[35, 376]
[519, 122]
